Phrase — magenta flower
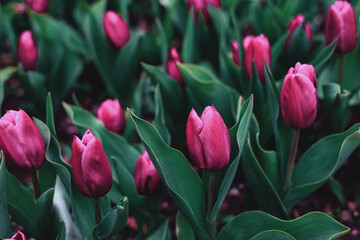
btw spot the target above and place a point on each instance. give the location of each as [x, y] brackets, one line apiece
[38, 6]
[112, 115]
[116, 29]
[201, 6]
[171, 67]
[293, 25]
[235, 52]
[27, 51]
[18, 236]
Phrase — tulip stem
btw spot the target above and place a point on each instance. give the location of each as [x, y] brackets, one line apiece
[291, 161]
[97, 210]
[36, 186]
[341, 66]
[211, 201]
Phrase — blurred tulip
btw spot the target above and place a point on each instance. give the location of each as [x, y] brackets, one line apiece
[293, 25]
[21, 141]
[257, 50]
[90, 166]
[298, 97]
[38, 6]
[27, 51]
[146, 178]
[18, 236]
[201, 5]
[171, 67]
[112, 115]
[208, 139]
[235, 52]
[341, 25]
[116, 29]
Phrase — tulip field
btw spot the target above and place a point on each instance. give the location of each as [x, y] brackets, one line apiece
[180, 119]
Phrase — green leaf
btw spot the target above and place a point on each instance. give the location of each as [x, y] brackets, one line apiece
[5, 74]
[273, 234]
[50, 115]
[159, 121]
[316, 165]
[313, 225]
[182, 182]
[5, 230]
[61, 231]
[322, 57]
[189, 39]
[114, 221]
[163, 40]
[162, 233]
[114, 145]
[183, 228]
[238, 134]
[210, 91]
[45, 214]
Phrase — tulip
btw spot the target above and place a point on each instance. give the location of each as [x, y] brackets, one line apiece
[171, 67]
[235, 52]
[90, 166]
[18, 236]
[208, 139]
[293, 25]
[38, 6]
[112, 115]
[116, 29]
[201, 5]
[257, 50]
[341, 25]
[21, 141]
[298, 96]
[27, 51]
[146, 178]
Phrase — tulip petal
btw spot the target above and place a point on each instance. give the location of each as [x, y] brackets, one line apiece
[194, 127]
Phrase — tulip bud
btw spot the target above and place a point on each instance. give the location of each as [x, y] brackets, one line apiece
[38, 6]
[293, 25]
[201, 5]
[235, 52]
[116, 29]
[90, 166]
[27, 51]
[18, 236]
[341, 24]
[208, 139]
[171, 67]
[21, 141]
[112, 115]
[146, 178]
[298, 98]
[257, 50]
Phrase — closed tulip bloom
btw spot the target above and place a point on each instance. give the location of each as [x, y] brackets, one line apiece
[293, 26]
[116, 29]
[90, 166]
[146, 178]
[298, 97]
[201, 6]
[208, 139]
[257, 50]
[27, 51]
[21, 141]
[171, 67]
[235, 52]
[112, 115]
[18, 236]
[341, 24]
[38, 6]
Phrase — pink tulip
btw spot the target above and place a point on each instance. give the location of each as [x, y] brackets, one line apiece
[38, 6]
[21, 141]
[146, 178]
[112, 115]
[27, 51]
[90, 166]
[171, 67]
[116, 29]
[293, 25]
[208, 139]
[18, 236]
[257, 50]
[201, 6]
[341, 25]
[235, 52]
[298, 98]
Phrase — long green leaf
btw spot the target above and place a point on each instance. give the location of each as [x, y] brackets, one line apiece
[5, 230]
